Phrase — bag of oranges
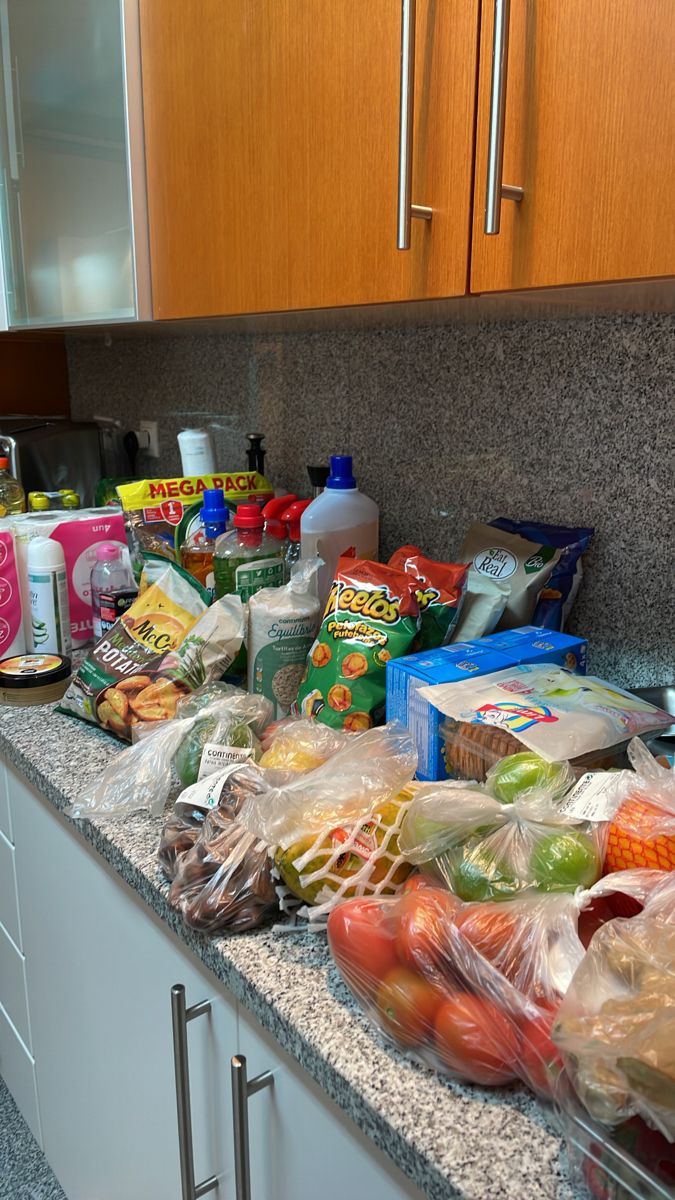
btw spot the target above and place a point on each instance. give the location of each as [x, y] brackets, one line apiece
[642, 833]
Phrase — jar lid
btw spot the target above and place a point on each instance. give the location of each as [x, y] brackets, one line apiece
[33, 670]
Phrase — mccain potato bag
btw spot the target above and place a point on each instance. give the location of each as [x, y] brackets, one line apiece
[168, 643]
[371, 616]
[440, 593]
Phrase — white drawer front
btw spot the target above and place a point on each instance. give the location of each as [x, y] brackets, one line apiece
[18, 1071]
[13, 997]
[5, 819]
[9, 905]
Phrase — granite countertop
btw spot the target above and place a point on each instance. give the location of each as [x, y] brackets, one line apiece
[453, 1140]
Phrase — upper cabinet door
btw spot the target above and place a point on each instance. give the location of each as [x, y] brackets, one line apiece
[589, 135]
[70, 178]
[272, 143]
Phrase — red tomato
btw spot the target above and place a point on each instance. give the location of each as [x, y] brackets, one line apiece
[416, 883]
[474, 1038]
[422, 937]
[540, 1060]
[361, 938]
[495, 933]
[407, 1007]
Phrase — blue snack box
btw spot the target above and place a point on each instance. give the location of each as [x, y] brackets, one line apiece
[448, 664]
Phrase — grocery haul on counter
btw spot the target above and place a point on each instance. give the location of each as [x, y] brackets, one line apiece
[406, 757]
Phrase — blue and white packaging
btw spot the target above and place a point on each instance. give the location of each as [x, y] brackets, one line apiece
[460, 660]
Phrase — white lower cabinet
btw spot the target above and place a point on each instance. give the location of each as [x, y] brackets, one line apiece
[300, 1143]
[100, 968]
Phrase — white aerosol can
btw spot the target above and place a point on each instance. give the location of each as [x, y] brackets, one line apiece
[48, 590]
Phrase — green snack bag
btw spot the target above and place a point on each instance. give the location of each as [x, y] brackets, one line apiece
[371, 616]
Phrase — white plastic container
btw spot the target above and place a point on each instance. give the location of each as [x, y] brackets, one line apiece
[110, 573]
[340, 521]
[196, 452]
[48, 591]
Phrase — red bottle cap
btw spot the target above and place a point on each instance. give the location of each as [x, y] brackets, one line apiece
[272, 512]
[4, 463]
[248, 516]
[291, 517]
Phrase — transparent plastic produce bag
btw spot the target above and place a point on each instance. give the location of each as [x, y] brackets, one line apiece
[470, 989]
[616, 1026]
[224, 881]
[486, 849]
[642, 831]
[334, 831]
[140, 777]
[300, 744]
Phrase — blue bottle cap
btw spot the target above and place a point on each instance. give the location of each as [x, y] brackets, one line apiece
[341, 472]
[214, 512]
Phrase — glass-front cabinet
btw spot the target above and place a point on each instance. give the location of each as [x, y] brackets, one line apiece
[72, 202]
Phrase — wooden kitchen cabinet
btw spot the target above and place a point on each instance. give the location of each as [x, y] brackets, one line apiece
[589, 135]
[272, 132]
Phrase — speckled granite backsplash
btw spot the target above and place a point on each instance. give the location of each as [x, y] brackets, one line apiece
[563, 420]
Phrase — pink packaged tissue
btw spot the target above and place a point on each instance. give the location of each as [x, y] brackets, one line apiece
[12, 639]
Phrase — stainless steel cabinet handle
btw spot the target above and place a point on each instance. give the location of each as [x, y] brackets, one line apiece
[495, 190]
[180, 1015]
[242, 1089]
[406, 210]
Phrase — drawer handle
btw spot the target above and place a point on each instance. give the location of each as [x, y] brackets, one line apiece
[495, 191]
[180, 1015]
[406, 210]
[242, 1089]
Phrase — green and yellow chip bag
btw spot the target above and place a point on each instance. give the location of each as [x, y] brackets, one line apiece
[372, 615]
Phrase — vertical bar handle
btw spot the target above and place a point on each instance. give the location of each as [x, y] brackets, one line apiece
[495, 191]
[242, 1089]
[180, 1015]
[405, 209]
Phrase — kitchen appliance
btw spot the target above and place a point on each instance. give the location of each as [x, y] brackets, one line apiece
[48, 453]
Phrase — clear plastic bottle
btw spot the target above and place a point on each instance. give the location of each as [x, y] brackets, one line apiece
[291, 517]
[340, 521]
[12, 495]
[110, 573]
[197, 551]
[275, 526]
[246, 559]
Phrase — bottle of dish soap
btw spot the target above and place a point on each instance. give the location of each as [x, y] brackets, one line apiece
[341, 521]
[246, 559]
[12, 495]
[197, 551]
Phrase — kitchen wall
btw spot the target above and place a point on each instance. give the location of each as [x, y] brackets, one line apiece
[566, 420]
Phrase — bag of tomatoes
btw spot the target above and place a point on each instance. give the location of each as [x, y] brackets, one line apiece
[496, 846]
[334, 831]
[471, 989]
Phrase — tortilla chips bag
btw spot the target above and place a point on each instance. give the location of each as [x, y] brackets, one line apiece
[440, 593]
[371, 616]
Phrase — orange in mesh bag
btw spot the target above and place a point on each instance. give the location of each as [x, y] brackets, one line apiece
[642, 833]
[470, 989]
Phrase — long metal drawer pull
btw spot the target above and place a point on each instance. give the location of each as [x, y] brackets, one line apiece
[495, 191]
[242, 1089]
[180, 1015]
[406, 210]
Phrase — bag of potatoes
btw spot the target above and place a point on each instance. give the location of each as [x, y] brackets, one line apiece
[167, 644]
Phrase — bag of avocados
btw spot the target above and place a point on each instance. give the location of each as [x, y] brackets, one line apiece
[371, 616]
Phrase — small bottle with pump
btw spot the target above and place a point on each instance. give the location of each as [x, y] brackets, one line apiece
[198, 550]
[12, 495]
[48, 591]
[291, 518]
[110, 574]
[341, 521]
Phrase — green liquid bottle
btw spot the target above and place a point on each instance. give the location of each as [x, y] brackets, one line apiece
[246, 560]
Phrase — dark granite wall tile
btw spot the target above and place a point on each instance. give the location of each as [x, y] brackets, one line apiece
[565, 420]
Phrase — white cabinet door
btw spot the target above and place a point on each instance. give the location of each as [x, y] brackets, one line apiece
[301, 1144]
[100, 968]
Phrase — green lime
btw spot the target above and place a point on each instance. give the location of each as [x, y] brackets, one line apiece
[478, 875]
[519, 772]
[561, 862]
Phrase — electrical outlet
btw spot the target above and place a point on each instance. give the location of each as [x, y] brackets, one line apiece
[150, 427]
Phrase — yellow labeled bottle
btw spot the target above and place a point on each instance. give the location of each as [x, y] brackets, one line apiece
[12, 495]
